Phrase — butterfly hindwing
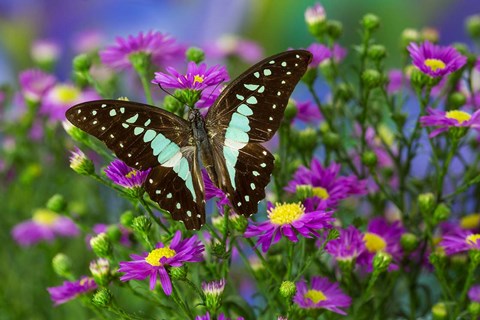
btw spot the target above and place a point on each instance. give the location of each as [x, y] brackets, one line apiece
[180, 189]
[140, 135]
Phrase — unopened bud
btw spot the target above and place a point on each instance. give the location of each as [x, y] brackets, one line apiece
[426, 203]
[439, 311]
[473, 26]
[370, 22]
[287, 289]
[102, 298]
[195, 54]
[62, 265]
[369, 159]
[179, 273]
[57, 203]
[101, 245]
[409, 242]
[372, 78]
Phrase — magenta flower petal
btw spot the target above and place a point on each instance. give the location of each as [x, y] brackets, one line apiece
[125, 176]
[71, 289]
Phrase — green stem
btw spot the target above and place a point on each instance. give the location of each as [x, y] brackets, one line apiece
[446, 165]
[157, 220]
[474, 261]
[262, 259]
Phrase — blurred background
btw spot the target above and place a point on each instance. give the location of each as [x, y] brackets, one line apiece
[273, 25]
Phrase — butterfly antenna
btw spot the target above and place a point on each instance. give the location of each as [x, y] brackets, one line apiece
[214, 89]
[172, 95]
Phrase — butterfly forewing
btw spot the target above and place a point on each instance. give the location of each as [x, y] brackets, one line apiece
[146, 137]
[248, 112]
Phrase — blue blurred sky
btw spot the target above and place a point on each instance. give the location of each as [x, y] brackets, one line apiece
[276, 24]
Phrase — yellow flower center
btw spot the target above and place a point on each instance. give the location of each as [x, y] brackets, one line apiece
[45, 216]
[373, 242]
[286, 213]
[472, 239]
[471, 221]
[198, 78]
[386, 134]
[315, 295]
[435, 64]
[131, 174]
[460, 116]
[320, 192]
[155, 255]
[66, 93]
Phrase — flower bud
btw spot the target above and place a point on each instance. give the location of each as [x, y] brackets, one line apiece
[381, 261]
[303, 191]
[219, 250]
[439, 311]
[307, 140]
[470, 222]
[441, 213]
[114, 233]
[418, 78]
[213, 291]
[238, 222]
[409, 35]
[101, 245]
[100, 270]
[218, 223]
[140, 61]
[372, 78]
[456, 100]
[462, 48]
[74, 132]
[473, 26]
[430, 34]
[409, 242]
[438, 259]
[474, 256]
[288, 289]
[80, 163]
[102, 298]
[370, 22]
[179, 273]
[331, 140]
[126, 219]
[344, 91]
[369, 159]
[426, 203]
[195, 54]
[45, 53]
[290, 111]
[57, 203]
[333, 234]
[377, 52]
[172, 104]
[62, 265]
[474, 309]
[334, 29]
[82, 63]
[141, 224]
[315, 18]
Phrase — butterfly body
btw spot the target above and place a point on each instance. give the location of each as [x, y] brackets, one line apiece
[227, 142]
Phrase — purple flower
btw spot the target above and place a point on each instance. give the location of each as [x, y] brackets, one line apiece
[34, 83]
[396, 80]
[322, 294]
[288, 220]
[348, 246]
[152, 264]
[474, 293]
[445, 120]
[87, 41]
[338, 53]
[382, 236]
[161, 48]
[71, 289]
[125, 176]
[45, 51]
[197, 77]
[320, 54]
[221, 316]
[460, 241]
[434, 60]
[325, 184]
[232, 45]
[61, 97]
[308, 112]
[45, 225]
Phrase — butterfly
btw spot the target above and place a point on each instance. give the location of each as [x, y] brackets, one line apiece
[227, 141]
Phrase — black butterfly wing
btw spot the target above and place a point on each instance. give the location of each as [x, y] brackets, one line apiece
[249, 111]
[146, 137]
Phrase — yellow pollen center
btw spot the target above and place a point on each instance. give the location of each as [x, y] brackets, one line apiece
[45, 217]
[315, 295]
[320, 192]
[373, 242]
[131, 174]
[435, 64]
[286, 213]
[66, 93]
[472, 239]
[471, 221]
[155, 255]
[460, 116]
[198, 78]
